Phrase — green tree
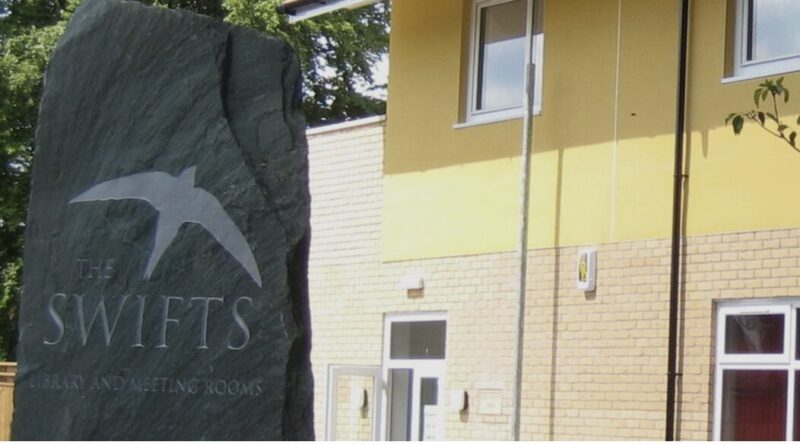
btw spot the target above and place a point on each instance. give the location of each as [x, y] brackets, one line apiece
[336, 51]
[769, 94]
[28, 33]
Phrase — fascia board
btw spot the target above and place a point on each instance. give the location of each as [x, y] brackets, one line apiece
[313, 10]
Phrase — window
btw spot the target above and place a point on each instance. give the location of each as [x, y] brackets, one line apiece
[766, 40]
[757, 388]
[503, 32]
[418, 339]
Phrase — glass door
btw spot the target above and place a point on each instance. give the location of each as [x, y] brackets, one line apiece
[414, 369]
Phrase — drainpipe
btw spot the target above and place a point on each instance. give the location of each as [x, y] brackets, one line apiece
[525, 161]
[680, 116]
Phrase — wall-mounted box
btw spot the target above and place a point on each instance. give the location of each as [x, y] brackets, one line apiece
[412, 281]
[458, 400]
[586, 272]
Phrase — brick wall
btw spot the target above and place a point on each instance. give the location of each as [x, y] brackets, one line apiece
[595, 363]
[345, 170]
[351, 289]
[354, 423]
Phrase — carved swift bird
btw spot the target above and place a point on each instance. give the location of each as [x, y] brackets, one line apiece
[177, 201]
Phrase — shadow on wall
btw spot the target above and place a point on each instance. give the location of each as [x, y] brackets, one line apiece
[556, 287]
[594, 97]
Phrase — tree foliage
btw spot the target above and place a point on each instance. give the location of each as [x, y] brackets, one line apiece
[28, 33]
[336, 51]
[767, 93]
[10, 290]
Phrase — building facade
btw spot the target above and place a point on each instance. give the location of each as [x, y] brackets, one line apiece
[415, 270]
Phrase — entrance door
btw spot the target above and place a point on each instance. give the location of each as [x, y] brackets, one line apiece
[414, 369]
[355, 398]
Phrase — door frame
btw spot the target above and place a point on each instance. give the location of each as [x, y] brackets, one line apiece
[336, 371]
[422, 368]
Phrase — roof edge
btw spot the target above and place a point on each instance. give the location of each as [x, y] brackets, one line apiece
[299, 10]
[291, 6]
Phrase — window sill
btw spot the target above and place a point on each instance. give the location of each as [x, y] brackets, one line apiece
[475, 122]
[760, 74]
[745, 77]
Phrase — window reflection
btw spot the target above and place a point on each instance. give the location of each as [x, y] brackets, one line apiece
[773, 29]
[418, 340]
[754, 405]
[754, 334]
[429, 398]
[501, 58]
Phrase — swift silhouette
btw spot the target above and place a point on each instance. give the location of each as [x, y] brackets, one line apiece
[177, 201]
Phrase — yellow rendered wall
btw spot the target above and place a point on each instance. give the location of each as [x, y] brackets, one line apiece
[736, 183]
[446, 190]
[602, 168]
[571, 164]
[645, 120]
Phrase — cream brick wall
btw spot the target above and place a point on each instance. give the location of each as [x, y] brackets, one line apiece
[595, 363]
[354, 423]
[351, 289]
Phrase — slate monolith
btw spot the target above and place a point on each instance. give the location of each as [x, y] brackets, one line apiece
[165, 290]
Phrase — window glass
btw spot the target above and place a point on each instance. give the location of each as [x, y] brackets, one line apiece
[796, 406]
[501, 56]
[418, 339]
[400, 399]
[429, 395]
[754, 334]
[754, 405]
[797, 339]
[773, 30]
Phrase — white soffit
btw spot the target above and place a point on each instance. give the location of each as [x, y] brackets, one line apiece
[315, 9]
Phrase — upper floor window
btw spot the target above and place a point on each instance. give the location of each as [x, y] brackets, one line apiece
[766, 39]
[503, 32]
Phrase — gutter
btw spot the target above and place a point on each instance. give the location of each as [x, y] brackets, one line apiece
[677, 203]
[292, 7]
[299, 10]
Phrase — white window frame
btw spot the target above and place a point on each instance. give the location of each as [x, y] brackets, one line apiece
[741, 68]
[534, 48]
[778, 362]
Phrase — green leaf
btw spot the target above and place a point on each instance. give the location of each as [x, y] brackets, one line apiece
[764, 94]
[792, 137]
[761, 117]
[757, 96]
[730, 116]
[738, 123]
[782, 128]
[785, 95]
[779, 81]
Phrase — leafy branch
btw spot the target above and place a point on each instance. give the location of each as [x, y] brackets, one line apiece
[767, 93]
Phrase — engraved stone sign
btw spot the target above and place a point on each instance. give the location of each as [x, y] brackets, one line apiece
[165, 287]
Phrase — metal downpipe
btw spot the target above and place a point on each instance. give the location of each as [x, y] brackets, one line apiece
[677, 205]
